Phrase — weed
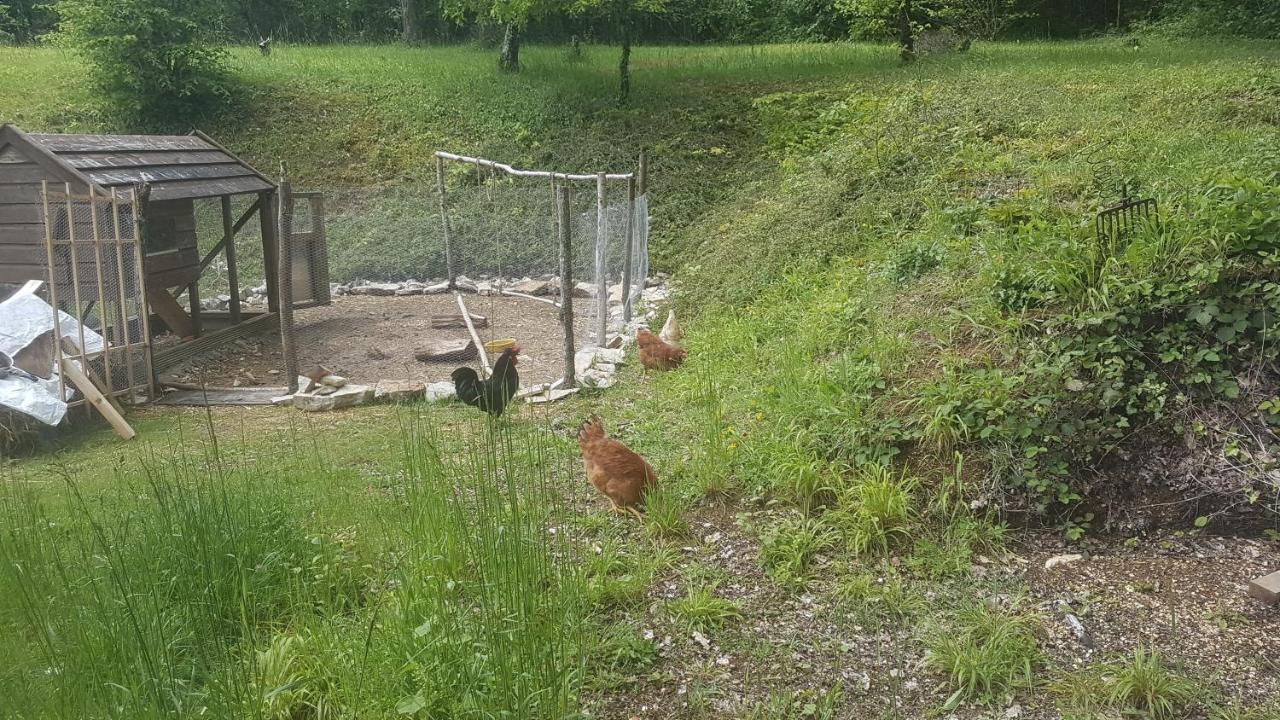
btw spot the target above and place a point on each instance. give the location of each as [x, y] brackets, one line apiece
[701, 610]
[986, 653]
[790, 547]
[1145, 684]
[876, 510]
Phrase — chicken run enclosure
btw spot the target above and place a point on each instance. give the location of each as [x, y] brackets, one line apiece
[397, 259]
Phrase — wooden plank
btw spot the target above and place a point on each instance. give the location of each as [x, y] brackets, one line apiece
[222, 397]
[183, 257]
[97, 399]
[141, 159]
[129, 176]
[20, 194]
[23, 214]
[118, 143]
[186, 351]
[21, 254]
[444, 322]
[208, 188]
[22, 174]
[18, 273]
[174, 317]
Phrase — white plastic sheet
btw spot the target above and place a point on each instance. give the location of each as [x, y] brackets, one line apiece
[23, 318]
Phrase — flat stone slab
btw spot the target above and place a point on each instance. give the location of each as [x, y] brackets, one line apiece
[1266, 588]
[399, 391]
[345, 397]
[552, 396]
[451, 351]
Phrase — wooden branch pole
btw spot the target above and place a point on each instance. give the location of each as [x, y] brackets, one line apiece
[526, 296]
[268, 217]
[284, 283]
[516, 172]
[602, 281]
[53, 277]
[475, 336]
[125, 327]
[233, 276]
[445, 228]
[137, 197]
[75, 272]
[628, 249]
[104, 317]
[566, 286]
[642, 173]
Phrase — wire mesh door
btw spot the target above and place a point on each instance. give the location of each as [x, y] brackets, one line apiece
[96, 286]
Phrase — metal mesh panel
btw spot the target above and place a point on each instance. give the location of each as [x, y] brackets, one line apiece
[95, 280]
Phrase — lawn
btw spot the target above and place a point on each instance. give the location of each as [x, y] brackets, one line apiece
[916, 380]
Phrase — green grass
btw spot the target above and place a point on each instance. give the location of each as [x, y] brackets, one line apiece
[875, 264]
[207, 585]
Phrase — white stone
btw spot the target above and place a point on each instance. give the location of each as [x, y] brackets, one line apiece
[1057, 560]
[437, 289]
[348, 396]
[611, 355]
[438, 391]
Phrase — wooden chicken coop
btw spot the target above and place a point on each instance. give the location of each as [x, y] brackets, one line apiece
[167, 175]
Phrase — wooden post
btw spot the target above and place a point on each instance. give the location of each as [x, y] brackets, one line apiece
[124, 304]
[53, 281]
[104, 327]
[75, 268]
[95, 397]
[444, 222]
[193, 298]
[320, 252]
[138, 197]
[268, 216]
[566, 285]
[628, 248]
[475, 336]
[284, 285]
[229, 243]
[602, 281]
[643, 173]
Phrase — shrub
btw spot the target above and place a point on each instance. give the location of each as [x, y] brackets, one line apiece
[155, 60]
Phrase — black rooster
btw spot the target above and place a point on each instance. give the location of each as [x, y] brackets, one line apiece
[490, 395]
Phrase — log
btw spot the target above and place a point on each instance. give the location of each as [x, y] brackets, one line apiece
[449, 351]
[475, 336]
[445, 322]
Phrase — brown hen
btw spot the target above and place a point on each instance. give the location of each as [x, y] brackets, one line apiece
[658, 355]
[618, 473]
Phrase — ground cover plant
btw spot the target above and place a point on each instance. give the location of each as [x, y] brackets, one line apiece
[915, 380]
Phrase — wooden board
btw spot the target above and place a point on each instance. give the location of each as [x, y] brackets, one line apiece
[173, 315]
[119, 143]
[222, 397]
[140, 159]
[443, 322]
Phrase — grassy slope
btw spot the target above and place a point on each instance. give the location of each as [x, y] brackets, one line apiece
[808, 197]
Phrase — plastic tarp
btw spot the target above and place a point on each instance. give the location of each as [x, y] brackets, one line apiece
[24, 317]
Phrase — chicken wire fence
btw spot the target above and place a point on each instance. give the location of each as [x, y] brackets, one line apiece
[487, 232]
[95, 282]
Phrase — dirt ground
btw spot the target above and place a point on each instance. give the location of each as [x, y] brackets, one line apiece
[367, 339]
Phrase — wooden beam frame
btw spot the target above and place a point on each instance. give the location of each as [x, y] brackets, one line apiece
[244, 219]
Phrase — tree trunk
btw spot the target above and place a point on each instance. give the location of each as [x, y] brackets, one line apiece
[624, 66]
[509, 60]
[906, 33]
[412, 32]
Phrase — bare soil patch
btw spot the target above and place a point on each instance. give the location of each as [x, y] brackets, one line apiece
[368, 338]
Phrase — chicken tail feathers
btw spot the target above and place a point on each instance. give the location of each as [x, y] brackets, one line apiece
[466, 383]
[590, 431]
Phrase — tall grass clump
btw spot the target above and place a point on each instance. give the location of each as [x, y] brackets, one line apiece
[191, 584]
[135, 600]
[986, 653]
[488, 595]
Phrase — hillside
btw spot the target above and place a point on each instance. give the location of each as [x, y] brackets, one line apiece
[917, 379]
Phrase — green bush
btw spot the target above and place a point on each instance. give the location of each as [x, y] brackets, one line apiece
[156, 61]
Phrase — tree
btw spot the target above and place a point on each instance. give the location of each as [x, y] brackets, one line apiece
[156, 60]
[622, 15]
[24, 21]
[512, 15]
[412, 32]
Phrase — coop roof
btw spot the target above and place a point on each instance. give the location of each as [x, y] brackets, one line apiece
[175, 166]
